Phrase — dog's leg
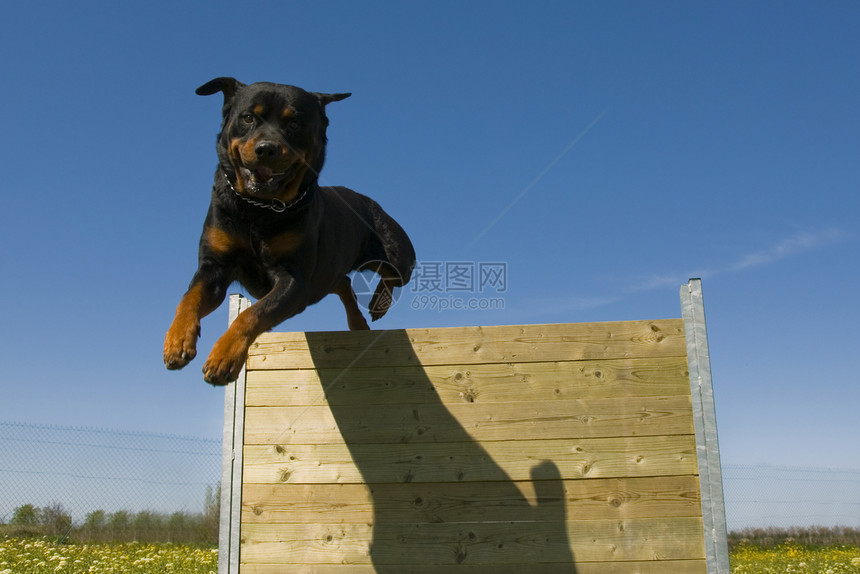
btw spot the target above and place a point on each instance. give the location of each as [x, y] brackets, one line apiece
[383, 296]
[354, 318]
[207, 291]
[228, 356]
[396, 270]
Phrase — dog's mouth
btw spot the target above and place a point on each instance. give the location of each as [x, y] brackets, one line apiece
[266, 173]
[263, 181]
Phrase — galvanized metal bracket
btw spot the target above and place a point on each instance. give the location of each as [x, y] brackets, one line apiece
[705, 418]
[231, 461]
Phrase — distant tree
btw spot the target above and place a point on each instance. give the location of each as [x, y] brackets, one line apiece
[178, 526]
[94, 526]
[95, 520]
[119, 519]
[55, 519]
[212, 501]
[118, 526]
[26, 515]
[178, 521]
[212, 513]
[146, 525]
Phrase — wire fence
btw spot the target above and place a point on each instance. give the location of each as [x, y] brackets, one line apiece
[108, 485]
[99, 484]
[761, 496]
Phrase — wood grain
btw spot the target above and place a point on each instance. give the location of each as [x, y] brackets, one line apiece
[531, 420]
[503, 382]
[469, 345]
[458, 462]
[470, 502]
[481, 542]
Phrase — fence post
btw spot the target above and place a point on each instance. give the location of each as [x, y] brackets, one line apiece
[231, 467]
[705, 418]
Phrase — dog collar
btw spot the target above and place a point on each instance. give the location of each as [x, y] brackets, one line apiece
[275, 205]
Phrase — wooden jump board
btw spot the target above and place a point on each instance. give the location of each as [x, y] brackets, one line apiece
[533, 448]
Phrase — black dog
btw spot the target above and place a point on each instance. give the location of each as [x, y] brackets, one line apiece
[271, 227]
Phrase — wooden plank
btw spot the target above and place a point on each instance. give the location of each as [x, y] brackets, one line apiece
[469, 345]
[647, 567]
[458, 462]
[470, 502]
[474, 543]
[472, 384]
[439, 423]
[663, 376]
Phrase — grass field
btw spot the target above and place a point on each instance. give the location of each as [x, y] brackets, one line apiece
[39, 556]
[791, 558]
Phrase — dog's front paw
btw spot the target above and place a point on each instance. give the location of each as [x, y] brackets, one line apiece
[226, 360]
[180, 345]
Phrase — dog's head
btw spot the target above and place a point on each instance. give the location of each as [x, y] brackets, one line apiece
[273, 136]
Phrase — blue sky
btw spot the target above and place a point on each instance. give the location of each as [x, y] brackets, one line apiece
[605, 152]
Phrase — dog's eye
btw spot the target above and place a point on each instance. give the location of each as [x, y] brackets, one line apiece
[248, 118]
[294, 125]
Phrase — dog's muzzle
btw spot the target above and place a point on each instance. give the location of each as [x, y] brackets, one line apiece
[264, 182]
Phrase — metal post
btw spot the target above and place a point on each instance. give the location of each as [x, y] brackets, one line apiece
[231, 461]
[705, 417]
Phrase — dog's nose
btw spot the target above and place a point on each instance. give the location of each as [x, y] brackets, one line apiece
[267, 149]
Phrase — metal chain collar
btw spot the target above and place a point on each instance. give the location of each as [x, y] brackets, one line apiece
[275, 205]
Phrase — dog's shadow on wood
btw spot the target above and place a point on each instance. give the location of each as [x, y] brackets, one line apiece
[438, 496]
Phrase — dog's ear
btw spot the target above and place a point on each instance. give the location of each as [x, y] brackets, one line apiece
[227, 85]
[326, 99]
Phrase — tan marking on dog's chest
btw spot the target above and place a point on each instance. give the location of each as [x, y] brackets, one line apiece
[220, 241]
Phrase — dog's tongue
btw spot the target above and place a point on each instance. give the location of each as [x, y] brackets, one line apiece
[263, 173]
